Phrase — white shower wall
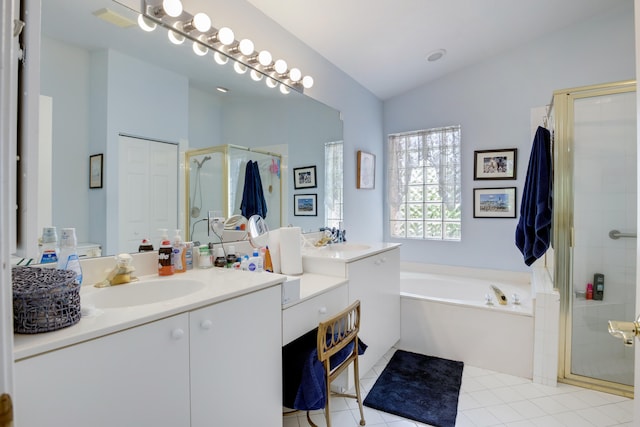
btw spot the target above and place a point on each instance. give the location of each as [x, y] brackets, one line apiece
[605, 193]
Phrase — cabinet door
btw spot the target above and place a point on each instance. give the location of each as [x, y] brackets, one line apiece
[138, 377]
[375, 281]
[236, 351]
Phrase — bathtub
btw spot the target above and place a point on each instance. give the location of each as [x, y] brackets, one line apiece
[444, 313]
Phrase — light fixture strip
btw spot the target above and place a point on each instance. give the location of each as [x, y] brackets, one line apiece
[153, 11]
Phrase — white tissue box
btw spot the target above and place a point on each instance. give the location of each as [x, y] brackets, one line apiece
[290, 290]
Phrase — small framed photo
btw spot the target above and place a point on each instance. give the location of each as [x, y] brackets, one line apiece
[495, 164]
[366, 170]
[305, 204]
[494, 202]
[304, 177]
[95, 171]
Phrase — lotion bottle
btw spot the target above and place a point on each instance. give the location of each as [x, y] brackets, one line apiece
[179, 254]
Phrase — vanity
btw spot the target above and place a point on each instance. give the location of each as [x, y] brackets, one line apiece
[212, 352]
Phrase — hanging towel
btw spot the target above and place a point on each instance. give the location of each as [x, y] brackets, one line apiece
[253, 202]
[533, 233]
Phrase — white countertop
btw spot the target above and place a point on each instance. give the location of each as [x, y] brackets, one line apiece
[347, 252]
[221, 285]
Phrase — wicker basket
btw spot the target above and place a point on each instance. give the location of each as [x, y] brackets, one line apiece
[44, 299]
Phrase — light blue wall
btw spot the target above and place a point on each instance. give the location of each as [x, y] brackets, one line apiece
[492, 101]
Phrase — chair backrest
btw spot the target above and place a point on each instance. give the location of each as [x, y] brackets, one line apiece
[337, 332]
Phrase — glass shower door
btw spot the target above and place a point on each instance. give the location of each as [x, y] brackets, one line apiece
[603, 255]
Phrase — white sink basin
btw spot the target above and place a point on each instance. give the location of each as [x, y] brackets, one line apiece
[140, 293]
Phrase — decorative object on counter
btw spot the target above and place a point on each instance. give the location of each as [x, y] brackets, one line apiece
[366, 172]
[68, 257]
[95, 171]
[304, 177]
[494, 202]
[44, 299]
[290, 251]
[49, 249]
[305, 204]
[495, 164]
[121, 273]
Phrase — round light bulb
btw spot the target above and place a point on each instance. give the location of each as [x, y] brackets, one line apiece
[307, 82]
[295, 75]
[271, 83]
[146, 24]
[280, 66]
[173, 8]
[264, 58]
[199, 50]
[226, 36]
[202, 22]
[284, 89]
[220, 58]
[246, 47]
[256, 76]
[175, 38]
[239, 67]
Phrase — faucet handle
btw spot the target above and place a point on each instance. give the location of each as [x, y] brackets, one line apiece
[627, 331]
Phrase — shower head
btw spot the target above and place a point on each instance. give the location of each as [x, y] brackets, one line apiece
[201, 162]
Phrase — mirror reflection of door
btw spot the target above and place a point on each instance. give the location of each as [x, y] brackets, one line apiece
[147, 190]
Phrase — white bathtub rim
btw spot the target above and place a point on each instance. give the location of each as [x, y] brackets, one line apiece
[516, 277]
[511, 309]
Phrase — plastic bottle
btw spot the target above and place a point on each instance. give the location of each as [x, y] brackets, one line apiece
[244, 264]
[188, 255]
[165, 266]
[255, 262]
[221, 260]
[145, 246]
[268, 264]
[231, 256]
[49, 250]
[68, 257]
[204, 257]
[179, 254]
[589, 291]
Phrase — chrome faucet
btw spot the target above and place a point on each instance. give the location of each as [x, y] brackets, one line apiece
[334, 235]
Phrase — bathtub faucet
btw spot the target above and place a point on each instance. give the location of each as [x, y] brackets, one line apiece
[334, 235]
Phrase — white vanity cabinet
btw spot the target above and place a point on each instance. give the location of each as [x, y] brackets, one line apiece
[137, 377]
[375, 281]
[236, 365]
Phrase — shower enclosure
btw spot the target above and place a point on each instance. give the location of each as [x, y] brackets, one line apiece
[595, 195]
[214, 178]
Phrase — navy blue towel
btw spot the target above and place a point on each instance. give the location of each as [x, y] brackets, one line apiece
[533, 233]
[253, 202]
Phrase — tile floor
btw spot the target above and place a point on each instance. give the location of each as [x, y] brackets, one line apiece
[489, 398]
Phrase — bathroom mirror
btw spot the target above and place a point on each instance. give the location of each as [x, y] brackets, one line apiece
[107, 81]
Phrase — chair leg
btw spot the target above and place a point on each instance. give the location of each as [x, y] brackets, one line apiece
[327, 406]
[356, 375]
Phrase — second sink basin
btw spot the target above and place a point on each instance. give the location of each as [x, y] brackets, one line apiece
[140, 293]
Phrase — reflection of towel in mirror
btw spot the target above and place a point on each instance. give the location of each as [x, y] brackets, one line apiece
[533, 233]
[253, 202]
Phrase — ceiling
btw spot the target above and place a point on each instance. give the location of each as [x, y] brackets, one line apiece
[383, 44]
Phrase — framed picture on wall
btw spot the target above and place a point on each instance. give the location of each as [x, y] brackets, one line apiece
[305, 204]
[95, 171]
[494, 202]
[495, 164]
[304, 177]
[366, 170]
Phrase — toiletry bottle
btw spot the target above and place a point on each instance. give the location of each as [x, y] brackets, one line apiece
[188, 255]
[68, 257]
[179, 254]
[231, 256]
[598, 286]
[204, 257]
[589, 291]
[244, 264]
[221, 260]
[49, 250]
[145, 246]
[165, 266]
[268, 264]
[255, 262]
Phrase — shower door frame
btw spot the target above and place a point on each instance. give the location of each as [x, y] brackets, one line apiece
[563, 232]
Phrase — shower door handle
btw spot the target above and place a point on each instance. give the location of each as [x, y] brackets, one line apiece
[627, 331]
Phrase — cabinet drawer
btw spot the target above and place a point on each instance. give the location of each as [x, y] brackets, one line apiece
[301, 318]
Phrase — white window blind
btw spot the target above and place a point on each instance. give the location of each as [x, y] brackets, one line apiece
[333, 177]
[424, 184]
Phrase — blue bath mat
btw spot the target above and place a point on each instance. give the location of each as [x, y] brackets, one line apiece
[422, 388]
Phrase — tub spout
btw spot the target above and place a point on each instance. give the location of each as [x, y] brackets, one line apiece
[500, 296]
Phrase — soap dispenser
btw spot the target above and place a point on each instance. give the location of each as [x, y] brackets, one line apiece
[179, 254]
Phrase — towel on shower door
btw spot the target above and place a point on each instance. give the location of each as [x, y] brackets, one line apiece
[533, 233]
[253, 202]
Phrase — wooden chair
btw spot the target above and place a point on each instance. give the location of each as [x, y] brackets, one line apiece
[334, 334]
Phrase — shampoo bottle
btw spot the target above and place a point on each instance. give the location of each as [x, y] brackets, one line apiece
[589, 291]
[179, 254]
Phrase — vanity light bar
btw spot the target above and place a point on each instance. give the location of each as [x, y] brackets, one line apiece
[197, 28]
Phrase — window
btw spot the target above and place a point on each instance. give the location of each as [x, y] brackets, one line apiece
[333, 173]
[424, 189]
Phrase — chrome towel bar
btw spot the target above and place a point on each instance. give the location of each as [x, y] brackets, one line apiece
[616, 234]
